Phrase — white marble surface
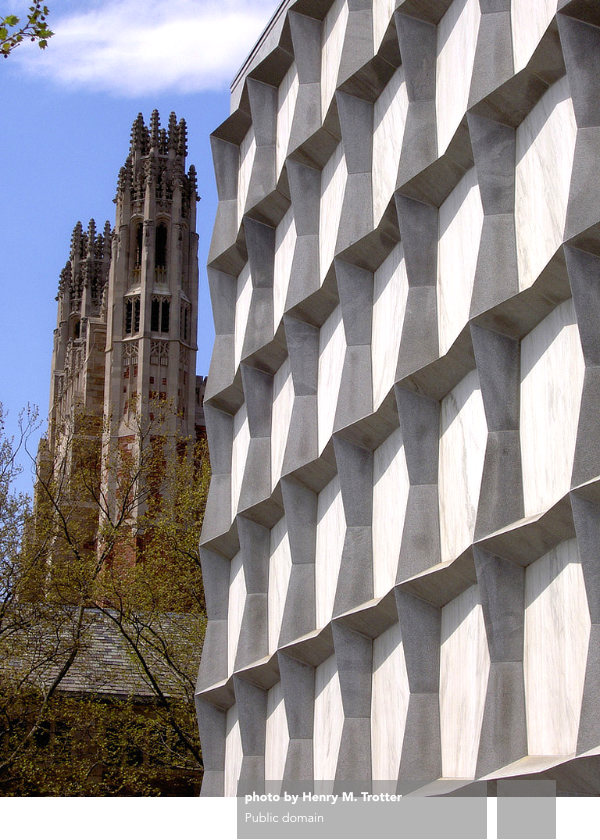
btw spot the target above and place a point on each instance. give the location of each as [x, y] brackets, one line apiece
[382, 15]
[277, 735]
[456, 43]
[239, 453]
[283, 402]
[280, 569]
[545, 150]
[285, 244]
[389, 704]
[247, 152]
[529, 20]
[332, 351]
[390, 292]
[286, 103]
[557, 631]
[464, 671]
[233, 752]
[390, 493]
[389, 119]
[235, 608]
[332, 42]
[331, 530]
[461, 221]
[463, 439]
[333, 185]
[328, 720]
[242, 309]
[552, 372]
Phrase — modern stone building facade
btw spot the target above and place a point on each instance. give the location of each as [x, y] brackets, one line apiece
[127, 310]
[400, 550]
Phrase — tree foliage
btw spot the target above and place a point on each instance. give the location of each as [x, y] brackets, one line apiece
[101, 560]
[34, 27]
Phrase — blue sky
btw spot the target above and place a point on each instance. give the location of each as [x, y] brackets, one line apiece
[66, 117]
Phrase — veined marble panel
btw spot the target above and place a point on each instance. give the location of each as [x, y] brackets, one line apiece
[332, 350]
[529, 20]
[283, 402]
[557, 632]
[333, 185]
[389, 704]
[390, 292]
[235, 609]
[280, 569]
[463, 440]
[461, 221]
[247, 152]
[285, 244]
[328, 720]
[464, 670]
[331, 530]
[233, 752]
[545, 150]
[286, 103]
[456, 43]
[277, 735]
[390, 493]
[552, 372]
[242, 310]
[239, 453]
[382, 15]
[332, 43]
[389, 119]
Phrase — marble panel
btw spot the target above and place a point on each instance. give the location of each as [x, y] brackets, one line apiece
[239, 454]
[389, 119]
[529, 21]
[461, 222]
[456, 44]
[285, 244]
[557, 631]
[233, 752]
[390, 292]
[332, 44]
[242, 310]
[328, 720]
[247, 154]
[235, 609]
[286, 103]
[390, 493]
[283, 402]
[280, 569]
[552, 372]
[464, 670]
[277, 735]
[331, 531]
[389, 704]
[545, 150]
[333, 185]
[463, 439]
[382, 15]
[332, 351]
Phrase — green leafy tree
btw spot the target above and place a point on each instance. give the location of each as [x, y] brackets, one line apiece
[33, 27]
[75, 720]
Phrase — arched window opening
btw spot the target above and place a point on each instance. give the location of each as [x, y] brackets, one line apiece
[77, 330]
[159, 315]
[128, 316]
[160, 258]
[139, 238]
[132, 315]
[164, 319]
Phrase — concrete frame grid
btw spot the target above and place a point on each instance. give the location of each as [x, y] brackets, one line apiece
[400, 549]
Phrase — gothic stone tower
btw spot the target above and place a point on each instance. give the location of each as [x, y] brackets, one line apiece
[153, 284]
[127, 310]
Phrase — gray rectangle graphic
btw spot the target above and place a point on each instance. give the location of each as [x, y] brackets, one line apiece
[356, 816]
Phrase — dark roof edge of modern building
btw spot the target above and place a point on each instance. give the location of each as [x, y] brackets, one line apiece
[256, 49]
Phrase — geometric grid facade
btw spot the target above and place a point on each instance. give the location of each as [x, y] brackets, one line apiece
[401, 542]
